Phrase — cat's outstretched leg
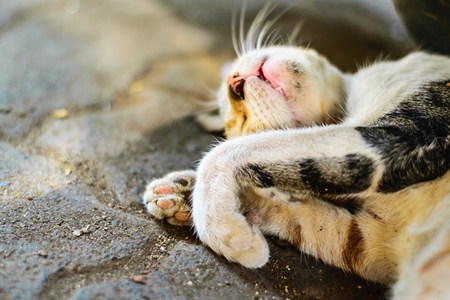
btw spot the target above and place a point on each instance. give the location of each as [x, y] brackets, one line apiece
[318, 160]
[169, 197]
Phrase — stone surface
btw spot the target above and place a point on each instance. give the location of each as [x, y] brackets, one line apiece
[97, 98]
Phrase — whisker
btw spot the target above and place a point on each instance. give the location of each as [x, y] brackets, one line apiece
[272, 38]
[264, 37]
[270, 23]
[276, 40]
[294, 35]
[241, 27]
[259, 34]
[259, 30]
[307, 46]
[236, 44]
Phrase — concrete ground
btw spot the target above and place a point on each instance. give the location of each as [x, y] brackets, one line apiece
[97, 97]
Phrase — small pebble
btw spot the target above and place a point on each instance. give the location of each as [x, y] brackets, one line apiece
[22, 114]
[60, 113]
[76, 232]
[5, 109]
[136, 278]
[85, 229]
[189, 283]
[42, 253]
[29, 198]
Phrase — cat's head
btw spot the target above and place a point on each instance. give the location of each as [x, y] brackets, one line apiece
[279, 87]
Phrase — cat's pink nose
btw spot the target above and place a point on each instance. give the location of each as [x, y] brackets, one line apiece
[236, 87]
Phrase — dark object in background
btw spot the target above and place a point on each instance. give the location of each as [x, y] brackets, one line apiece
[428, 23]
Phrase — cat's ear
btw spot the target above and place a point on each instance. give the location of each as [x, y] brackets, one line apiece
[211, 122]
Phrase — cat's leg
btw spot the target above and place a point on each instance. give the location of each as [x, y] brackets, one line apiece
[333, 160]
[427, 276]
[318, 228]
[169, 197]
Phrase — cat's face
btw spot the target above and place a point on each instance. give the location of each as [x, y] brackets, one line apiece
[279, 87]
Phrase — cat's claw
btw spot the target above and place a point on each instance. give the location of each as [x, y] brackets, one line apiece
[169, 197]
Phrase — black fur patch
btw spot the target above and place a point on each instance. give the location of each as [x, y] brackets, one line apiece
[352, 204]
[259, 176]
[328, 177]
[336, 175]
[414, 139]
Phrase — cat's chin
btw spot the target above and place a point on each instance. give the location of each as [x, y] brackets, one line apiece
[278, 103]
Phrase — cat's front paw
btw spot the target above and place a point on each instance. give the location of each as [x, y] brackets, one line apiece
[221, 224]
[235, 237]
[169, 197]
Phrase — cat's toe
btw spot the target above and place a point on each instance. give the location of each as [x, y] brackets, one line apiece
[169, 197]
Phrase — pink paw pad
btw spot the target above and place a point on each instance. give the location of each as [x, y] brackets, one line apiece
[165, 203]
[182, 215]
[163, 189]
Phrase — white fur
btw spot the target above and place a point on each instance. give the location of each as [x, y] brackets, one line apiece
[371, 92]
[414, 229]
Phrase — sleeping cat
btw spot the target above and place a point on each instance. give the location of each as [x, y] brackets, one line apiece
[350, 168]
